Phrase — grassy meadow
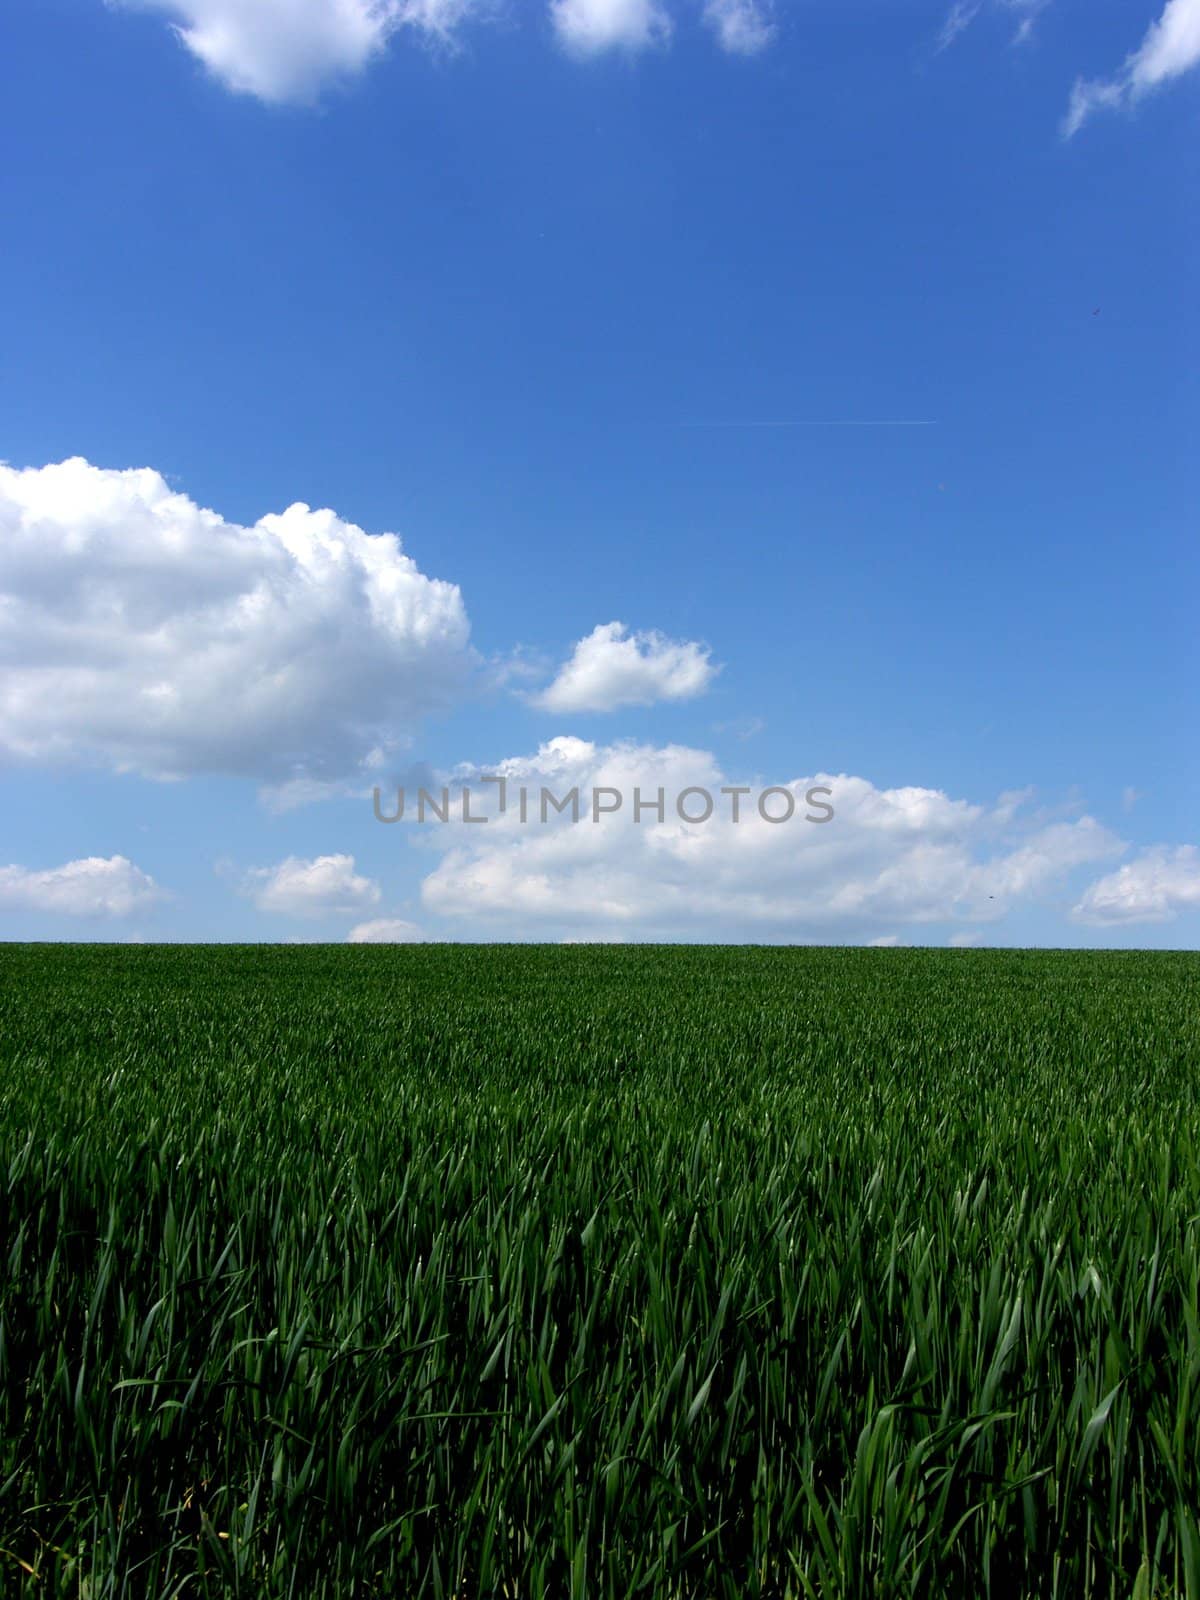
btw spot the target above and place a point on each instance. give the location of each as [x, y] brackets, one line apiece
[585, 1273]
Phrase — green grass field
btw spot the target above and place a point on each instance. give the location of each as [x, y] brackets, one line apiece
[456, 1271]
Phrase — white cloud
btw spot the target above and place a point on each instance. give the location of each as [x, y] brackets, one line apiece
[965, 939]
[288, 50]
[1027, 13]
[385, 930]
[889, 859]
[742, 27]
[1170, 48]
[1154, 888]
[590, 27]
[94, 886]
[142, 633]
[325, 886]
[958, 19]
[613, 667]
[964, 12]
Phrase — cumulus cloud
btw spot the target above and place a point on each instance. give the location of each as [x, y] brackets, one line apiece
[613, 667]
[1155, 887]
[142, 633]
[742, 27]
[385, 930]
[1170, 48]
[288, 50]
[590, 27]
[325, 886]
[95, 886]
[889, 859]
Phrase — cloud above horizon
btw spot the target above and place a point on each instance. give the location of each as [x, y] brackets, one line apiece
[613, 667]
[1156, 887]
[140, 632]
[94, 886]
[1170, 48]
[322, 887]
[385, 930]
[889, 860]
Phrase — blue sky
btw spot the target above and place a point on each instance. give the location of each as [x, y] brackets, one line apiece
[836, 363]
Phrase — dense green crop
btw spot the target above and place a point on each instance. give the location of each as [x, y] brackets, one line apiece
[599, 1271]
